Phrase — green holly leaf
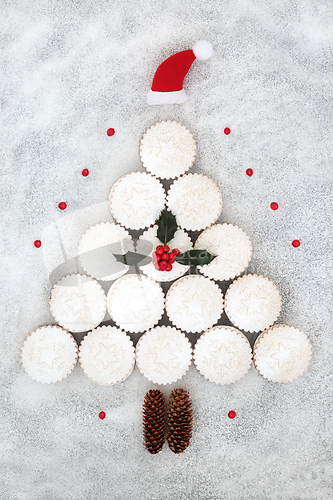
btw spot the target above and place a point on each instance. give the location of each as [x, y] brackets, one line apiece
[133, 259]
[195, 258]
[167, 226]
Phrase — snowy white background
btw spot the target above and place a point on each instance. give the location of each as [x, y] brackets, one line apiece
[69, 71]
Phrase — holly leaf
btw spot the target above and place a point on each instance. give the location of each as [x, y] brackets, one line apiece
[195, 258]
[133, 259]
[167, 226]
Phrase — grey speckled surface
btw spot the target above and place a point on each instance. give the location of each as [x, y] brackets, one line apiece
[69, 71]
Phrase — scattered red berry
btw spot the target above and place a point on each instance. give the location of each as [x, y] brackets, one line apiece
[231, 414]
[274, 205]
[165, 256]
[102, 415]
[110, 131]
[166, 248]
[162, 265]
[85, 172]
[159, 250]
[168, 266]
[227, 131]
[175, 251]
[62, 205]
[296, 243]
[37, 243]
[249, 172]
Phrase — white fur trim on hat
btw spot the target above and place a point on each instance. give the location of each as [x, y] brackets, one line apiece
[176, 97]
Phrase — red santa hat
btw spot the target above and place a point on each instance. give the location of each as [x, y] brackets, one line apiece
[167, 86]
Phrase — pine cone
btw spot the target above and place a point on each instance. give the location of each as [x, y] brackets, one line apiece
[179, 421]
[154, 421]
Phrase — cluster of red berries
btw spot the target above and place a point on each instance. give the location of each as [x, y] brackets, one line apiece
[163, 258]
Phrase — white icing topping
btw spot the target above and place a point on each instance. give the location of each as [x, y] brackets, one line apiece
[282, 353]
[167, 149]
[195, 200]
[163, 355]
[97, 237]
[78, 303]
[181, 240]
[232, 247]
[136, 200]
[223, 355]
[252, 303]
[135, 303]
[107, 355]
[194, 303]
[49, 354]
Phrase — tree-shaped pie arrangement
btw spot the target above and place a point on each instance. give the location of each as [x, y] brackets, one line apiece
[194, 303]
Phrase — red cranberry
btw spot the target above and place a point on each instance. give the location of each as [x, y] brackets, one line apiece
[175, 251]
[168, 267]
[62, 205]
[165, 256]
[166, 248]
[37, 243]
[231, 414]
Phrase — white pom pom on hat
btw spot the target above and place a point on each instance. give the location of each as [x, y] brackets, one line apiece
[167, 86]
[203, 50]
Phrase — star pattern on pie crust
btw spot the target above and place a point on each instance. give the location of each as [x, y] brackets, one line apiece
[253, 303]
[278, 356]
[48, 355]
[136, 306]
[168, 149]
[162, 356]
[194, 306]
[108, 356]
[221, 357]
[75, 304]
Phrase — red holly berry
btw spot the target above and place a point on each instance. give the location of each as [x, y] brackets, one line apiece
[156, 256]
[37, 243]
[274, 205]
[175, 251]
[110, 131]
[168, 267]
[296, 243]
[165, 256]
[85, 172]
[102, 415]
[166, 248]
[156, 265]
[172, 257]
[227, 131]
[62, 205]
[162, 265]
[249, 172]
[159, 250]
[231, 414]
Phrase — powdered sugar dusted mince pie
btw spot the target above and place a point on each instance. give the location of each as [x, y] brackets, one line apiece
[95, 259]
[167, 149]
[252, 303]
[223, 355]
[135, 302]
[107, 355]
[136, 200]
[232, 247]
[49, 354]
[195, 200]
[181, 240]
[163, 355]
[78, 303]
[194, 303]
[282, 353]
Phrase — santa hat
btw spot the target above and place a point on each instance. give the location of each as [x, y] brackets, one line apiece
[167, 86]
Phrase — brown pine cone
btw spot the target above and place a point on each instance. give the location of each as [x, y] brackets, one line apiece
[179, 421]
[154, 421]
